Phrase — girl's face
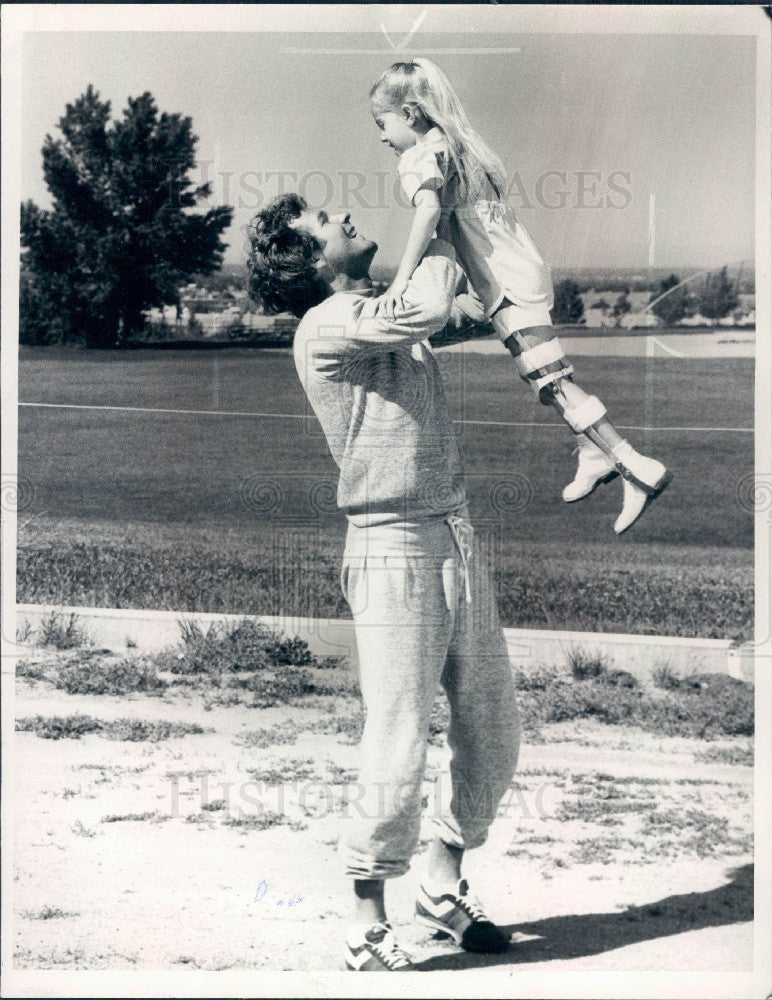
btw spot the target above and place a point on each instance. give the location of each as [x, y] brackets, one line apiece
[398, 128]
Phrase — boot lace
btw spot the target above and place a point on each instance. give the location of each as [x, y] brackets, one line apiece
[389, 952]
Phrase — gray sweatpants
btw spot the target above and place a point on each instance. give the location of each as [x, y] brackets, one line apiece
[425, 613]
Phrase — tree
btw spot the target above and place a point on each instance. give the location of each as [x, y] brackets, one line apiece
[622, 306]
[675, 305]
[718, 297]
[568, 307]
[120, 236]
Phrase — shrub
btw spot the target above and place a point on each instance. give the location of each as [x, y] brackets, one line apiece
[665, 677]
[62, 631]
[243, 646]
[295, 652]
[223, 647]
[586, 665]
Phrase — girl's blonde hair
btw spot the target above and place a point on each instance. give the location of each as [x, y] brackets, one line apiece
[423, 84]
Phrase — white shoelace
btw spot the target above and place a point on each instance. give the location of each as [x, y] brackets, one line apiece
[390, 952]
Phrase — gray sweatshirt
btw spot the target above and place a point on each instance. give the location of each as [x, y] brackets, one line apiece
[375, 387]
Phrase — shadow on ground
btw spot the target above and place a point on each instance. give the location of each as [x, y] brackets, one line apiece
[576, 936]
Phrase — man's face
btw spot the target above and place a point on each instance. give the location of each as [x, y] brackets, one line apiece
[344, 249]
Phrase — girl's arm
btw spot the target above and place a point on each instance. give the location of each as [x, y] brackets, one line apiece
[427, 215]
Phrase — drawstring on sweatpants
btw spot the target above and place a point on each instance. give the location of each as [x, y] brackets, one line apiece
[463, 537]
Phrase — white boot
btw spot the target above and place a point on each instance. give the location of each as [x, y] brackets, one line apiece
[593, 469]
[649, 479]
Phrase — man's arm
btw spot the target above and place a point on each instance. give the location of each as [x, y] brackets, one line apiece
[427, 303]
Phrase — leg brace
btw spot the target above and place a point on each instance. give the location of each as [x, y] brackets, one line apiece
[544, 367]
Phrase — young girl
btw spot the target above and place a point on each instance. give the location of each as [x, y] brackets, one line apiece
[457, 186]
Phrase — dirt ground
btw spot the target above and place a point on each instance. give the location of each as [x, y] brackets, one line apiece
[616, 850]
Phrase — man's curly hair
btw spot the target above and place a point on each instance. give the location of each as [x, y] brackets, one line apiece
[281, 261]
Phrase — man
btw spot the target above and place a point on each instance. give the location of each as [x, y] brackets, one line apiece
[414, 577]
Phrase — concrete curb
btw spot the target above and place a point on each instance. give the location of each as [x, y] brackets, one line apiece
[120, 628]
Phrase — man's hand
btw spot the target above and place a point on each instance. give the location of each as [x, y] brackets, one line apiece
[391, 300]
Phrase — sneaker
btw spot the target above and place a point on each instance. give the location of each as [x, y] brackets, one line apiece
[454, 913]
[643, 480]
[593, 469]
[375, 949]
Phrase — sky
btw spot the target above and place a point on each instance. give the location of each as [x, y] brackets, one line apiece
[622, 150]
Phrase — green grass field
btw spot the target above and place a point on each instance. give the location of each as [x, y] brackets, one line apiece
[235, 513]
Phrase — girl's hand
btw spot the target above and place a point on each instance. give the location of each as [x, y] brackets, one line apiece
[391, 300]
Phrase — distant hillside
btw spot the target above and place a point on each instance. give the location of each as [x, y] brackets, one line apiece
[611, 279]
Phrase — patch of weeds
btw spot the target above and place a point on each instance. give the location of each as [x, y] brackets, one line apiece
[539, 678]
[541, 772]
[31, 670]
[82, 831]
[618, 678]
[585, 665]
[694, 830]
[604, 811]
[152, 731]
[331, 663]
[200, 819]
[24, 630]
[222, 699]
[601, 776]
[697, 781]
[111, 678]
[705, 706]
[341, 775]
[47, 913]
[737, 755]
[285, 687]
[200, 772]
[277, 771]
[255, 822]
[145, 817]
[56, 727]
[602, 850]
[214, 806]
[665, 677]
[348, 726]
[62, 631]
[284, 734]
